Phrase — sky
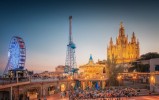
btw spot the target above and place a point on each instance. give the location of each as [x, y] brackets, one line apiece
[44, 26]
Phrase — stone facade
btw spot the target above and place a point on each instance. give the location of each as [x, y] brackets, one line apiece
[123, 51]
[35, 90]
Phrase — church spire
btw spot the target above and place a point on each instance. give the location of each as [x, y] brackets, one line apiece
[121, 30]
[111, 41]
[133, 35]
[121, 24]
[133, 38]
[116, 41]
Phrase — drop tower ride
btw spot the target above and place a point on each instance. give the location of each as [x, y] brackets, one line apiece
[70, 63]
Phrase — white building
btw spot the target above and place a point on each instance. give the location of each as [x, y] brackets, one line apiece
[154, 77]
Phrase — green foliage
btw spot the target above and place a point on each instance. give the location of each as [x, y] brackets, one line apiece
[140, 68]
[112, 71]
[143, 67]
[149, 55]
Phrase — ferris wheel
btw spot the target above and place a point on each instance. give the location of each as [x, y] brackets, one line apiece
[16, 54]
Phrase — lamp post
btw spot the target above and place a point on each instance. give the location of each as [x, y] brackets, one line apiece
[11, 92]
[44, 94]
[134, 78]
[152, 82]
[17, 77]
[119, 78]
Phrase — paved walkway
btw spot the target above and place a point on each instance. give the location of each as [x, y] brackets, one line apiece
[145, 98]
[57, 97]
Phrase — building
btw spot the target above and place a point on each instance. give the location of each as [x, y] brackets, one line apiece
[92, 70]
[60, 69]
[92, 75]
[154, 78]
[123, 51]
[18, 73]
[101, 62]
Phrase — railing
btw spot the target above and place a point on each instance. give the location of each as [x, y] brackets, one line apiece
[13, 84]
[43, 79]
[47, 79]
[8, 82]
[155, 87]
[5, 81]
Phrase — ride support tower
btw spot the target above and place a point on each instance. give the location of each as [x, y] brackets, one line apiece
[70, 63]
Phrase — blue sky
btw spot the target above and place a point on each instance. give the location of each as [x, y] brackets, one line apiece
[44, 26]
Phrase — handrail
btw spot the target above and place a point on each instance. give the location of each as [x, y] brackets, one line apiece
[13, 84]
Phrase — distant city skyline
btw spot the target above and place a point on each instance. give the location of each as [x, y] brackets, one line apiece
[44, 26]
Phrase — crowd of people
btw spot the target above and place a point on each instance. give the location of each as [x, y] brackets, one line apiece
[108, 93]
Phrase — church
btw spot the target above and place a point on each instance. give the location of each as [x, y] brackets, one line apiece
[124, 51]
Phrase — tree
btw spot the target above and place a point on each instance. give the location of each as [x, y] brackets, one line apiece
[139, 67]
[112, 71]
[149, 56]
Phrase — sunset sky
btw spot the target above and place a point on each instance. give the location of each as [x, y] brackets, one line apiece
[44, 26]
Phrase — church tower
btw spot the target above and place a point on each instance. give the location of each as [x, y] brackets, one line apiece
[123, 51]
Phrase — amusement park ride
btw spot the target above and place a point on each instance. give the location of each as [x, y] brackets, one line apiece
[70, 64]
[16, 58]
